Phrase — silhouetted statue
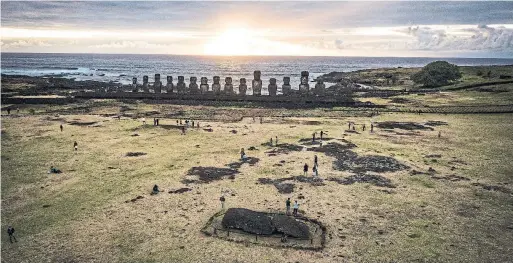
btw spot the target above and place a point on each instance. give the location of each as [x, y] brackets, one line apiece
[193, 86]
[170, 86]
[286, 89]
[320, 87]
[256, 84]
[204, 85]
[243, 87]
[146, 87]
[228, 86]
[272, 88]
[304, 87]
[180, 86]
[157, 85]
[216, 86]
[134, 84]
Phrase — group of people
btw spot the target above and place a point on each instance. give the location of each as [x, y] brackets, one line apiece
[315, 168]
[352, 126]
[295, 207]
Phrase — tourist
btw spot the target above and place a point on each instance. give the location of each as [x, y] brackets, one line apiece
[320, 143]
[61, 127]
[154, 122]
[198, 124]
[10, 232]
[144, 121]
[305, 169]
[296, 207]
[287, 205]
[260, 120]
[363, 128]
[157, 122]
[271, 143]
[313, 137]
[315, 161]
[322, 132]
[193, 124]
[183, 130]
[315, 171]
[180, 121]
[354, 128]
[439, 134]
[155, 190]
[276, 141]
[75, 145]
[242, 154]
[222, 199]
[54, 170]
[372, 127]
[176, 122]
[8, 110]
[349, 126]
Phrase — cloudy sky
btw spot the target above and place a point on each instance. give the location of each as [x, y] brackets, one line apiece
[406, 28]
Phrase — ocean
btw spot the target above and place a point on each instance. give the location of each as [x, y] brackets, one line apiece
[121, 68]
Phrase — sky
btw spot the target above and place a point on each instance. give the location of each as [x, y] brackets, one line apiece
[392, 29]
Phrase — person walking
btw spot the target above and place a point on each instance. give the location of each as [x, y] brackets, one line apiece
[287, 205]
[314, 172]
[61, 127]
[10, 232]
[144, 121]
[222, 199]
[363, 128]
[305, 169]
[372, 127]
[322, 132]
[75, 145]
[276, 140]
[315, 161]
[296, 208]
[313, 137]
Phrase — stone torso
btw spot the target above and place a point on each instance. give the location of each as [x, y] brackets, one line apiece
[193, 86]
[273, 88]
[204, 88]
[256, 84]
[228, 86]
[243, 87]
[216, 87]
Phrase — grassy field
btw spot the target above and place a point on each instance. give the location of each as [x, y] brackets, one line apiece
[85, 213]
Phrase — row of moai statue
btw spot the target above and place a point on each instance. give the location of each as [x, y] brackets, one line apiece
[204, 88]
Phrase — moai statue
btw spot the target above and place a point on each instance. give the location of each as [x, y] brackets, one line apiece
[272, 88]
[193, 86]
[204, 85]
[180, 86]
[146, 87]
[286, 89]
[157, 85]
[170, 86]
[243, 87]
[216, 87]
[256, 84]
[134, 84]
[320, 87]
[228, 86]
[304, 87]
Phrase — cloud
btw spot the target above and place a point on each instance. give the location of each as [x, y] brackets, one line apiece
[481, 37]
[24, 43]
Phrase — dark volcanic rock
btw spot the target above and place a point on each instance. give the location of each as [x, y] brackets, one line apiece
[264, 224]
[77, 123]
[435, 123]
[135, 154]
[402, 125]
[285, 188]
[181, 190]
[284, 148]
[209, 174]
[364, 178]
[250, 160]
[494, 188]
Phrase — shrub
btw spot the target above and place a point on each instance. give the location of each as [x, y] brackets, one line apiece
[436, 74]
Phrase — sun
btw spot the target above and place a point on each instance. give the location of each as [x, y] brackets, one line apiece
[232, 42]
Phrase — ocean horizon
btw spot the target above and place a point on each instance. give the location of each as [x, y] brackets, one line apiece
[121, 68]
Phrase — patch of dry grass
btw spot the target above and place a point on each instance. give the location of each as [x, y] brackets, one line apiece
[89, 220]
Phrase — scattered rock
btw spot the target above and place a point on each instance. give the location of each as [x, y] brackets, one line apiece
[452, 177]
[252, 148]
[312, 123]
[45, 206]
[250, 160]
[135, 135]
[433, 156]
[78, 123]
[284, 148]
[435, 123]
[209, 130]
[234, 131]
[497, 188]
[180, 191]
[285, 188]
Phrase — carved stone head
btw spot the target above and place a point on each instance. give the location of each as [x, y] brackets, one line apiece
[169, 79]
[217, 79]
[134, 80]
[181, 79]
[193, 79]
[286, 80]
[242, 81]
[157, 77]
[304, 77]
[145, 79]
[228, 80]
[319, 81]
[272, 81]
[257, 74]
[204, 80]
